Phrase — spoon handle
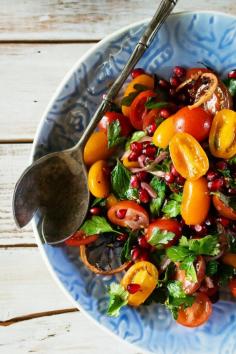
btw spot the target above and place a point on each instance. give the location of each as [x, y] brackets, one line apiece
[163, 11]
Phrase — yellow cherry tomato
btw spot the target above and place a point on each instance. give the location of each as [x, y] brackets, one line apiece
[98, 179]
[145, 80]
[222, 138]
[96, 148]
[230, 259]
[195, 202]
[130, 164]
[188, 157]
[111, 201]
[164, 133]
[145, 274]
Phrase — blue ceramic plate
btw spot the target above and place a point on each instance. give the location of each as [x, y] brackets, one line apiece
[186, 39]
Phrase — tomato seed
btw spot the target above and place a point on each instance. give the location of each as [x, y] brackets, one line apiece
[133, 288]
[121, 213]
[137, 72]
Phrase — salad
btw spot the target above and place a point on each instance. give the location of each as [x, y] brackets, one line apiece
[161, 172]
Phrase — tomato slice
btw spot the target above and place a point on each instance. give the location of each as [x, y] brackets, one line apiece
[222, 208]
[197, 314]
[188, 286]
[109, 117]
[80, 238]
[150, 117]
[165, 225]
[138, 108]
[128, 214]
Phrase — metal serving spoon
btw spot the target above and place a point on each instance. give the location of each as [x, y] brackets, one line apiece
[56, 184]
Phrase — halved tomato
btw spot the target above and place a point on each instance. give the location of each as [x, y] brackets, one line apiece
[109, 117]
[128, 214]
[165, 226]
[138, 108]
[222, 207]
[80, 238]
[150, 117]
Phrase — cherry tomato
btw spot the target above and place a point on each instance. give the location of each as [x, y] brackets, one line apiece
[188, 286]
[222, 207]
[164, 133]
[145, 80]
[98, 179]
[165, 225]
[188, 157]
[232, 286]
[144, 274]
[150, 117]
[138, 109]
[195, 201]
[230, 259]
[111, 201]
[193, 71]
[222, 138]
[197, 314]
[195, 122]
[110, 117]
[128, 214]
[80, 238]
[96, 148]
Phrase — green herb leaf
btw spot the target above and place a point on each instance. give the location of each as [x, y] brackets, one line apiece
[175, 289]
[208, 245]
[225, 272]
[132, 194]
[114, 134]
[140, 87]
[99, 201]
[152, 104]
[135, 137]
[232, 161]
[159, 187]
[178, 253]
[211, 268]
[177, 298]
[127, 100]
[190, 271]
[97, 225]
[160, 237]
[118, 299]
[120, 180]
[231, 85]
[172, 208]
[126, 250]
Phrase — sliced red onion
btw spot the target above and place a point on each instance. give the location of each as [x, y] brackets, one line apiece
[141, 160]
[160, 157]
[209, 282]
[164, 263]
[160, 174]
[149, 189]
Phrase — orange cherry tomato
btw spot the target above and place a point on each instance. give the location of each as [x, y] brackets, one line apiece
[195, 201]
[145, 80]
[188, 157]
[130, 164]
[230, 259]
[188, 286]
[197, 314]
[109, 117]
[80, 238]
[111, 201]
[165, 225]
[195, 122]
[128, 214]
[164, 133]
[98, 179]
[138, 109]
[222, 138]
[96, 148]
[232, 286]
[222, 208]
[145, 274]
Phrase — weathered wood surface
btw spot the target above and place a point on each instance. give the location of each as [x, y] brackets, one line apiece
[85, 19]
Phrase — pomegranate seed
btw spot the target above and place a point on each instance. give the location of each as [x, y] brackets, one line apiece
[180, 180]
[122, 237]
[145, 144]
[144, 255]
[174, 81]
[179, 71]
[133, 156]
[148, 160]
[150, 151]
[135, 253]
[223, 221]
[164, 84]
[137, 72]
[164, 113]
[232, 74]
[121, 213]
[173, 171]
[95, 211]
[216, 185]
[221, 165]
[133, 288]
[142, 176]
[143, 242]
[172, 92]
[151, 129]
[232, 191]
[211, 175]
[201, 230]
[134, 182]
[144, 196]
[169, 178]
[136, 147]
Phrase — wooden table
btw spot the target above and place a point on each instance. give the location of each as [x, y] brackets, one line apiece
[39, 42]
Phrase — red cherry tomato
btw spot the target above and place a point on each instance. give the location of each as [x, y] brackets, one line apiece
[195, 122]
[138, 108]
[188, 286]
[170, 225]
[80, 238]
[150, 117]
[109, 117]
[128, 214]
[197, 314]
[232, 286]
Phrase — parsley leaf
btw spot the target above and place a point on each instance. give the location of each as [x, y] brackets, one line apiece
[135, 137]
[177, 298]
[99, 201]
[97, 225]
[178, 253]
[159, 187]
[175, 289]
[152, 104]
[189, 268]
[231, 85]
[211, 268]
[114, 134]
[208, 245]
[126, 250]
[160, 237]
[118, 299]
[172, 208]
[120, 180]
[232, 161]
